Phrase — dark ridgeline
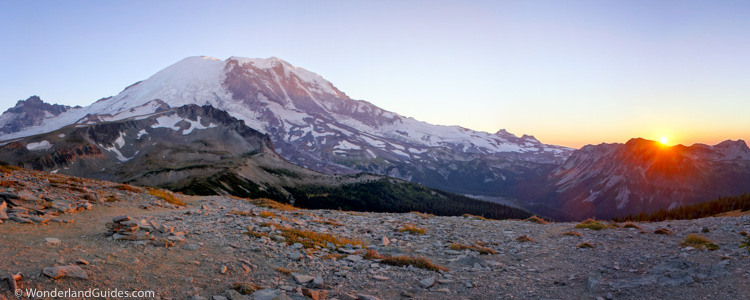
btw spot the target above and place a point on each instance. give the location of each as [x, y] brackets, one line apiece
[694, 211]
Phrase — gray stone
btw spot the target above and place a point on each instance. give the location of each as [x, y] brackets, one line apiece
[301, 279]
[52, 241]
[354, 258]
[119, 219]
[65, 271]
[366, 297]
[318, 281]
[296, 246]
[295, 256]
[191, 247]
[427, 282]
[266, 294]
[21, 220]
[470, 261]
[217, 297]
[278, 238]
[235, 295]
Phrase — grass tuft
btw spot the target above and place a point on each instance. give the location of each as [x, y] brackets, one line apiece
[475, 217]
[411, 228]
[328, 222]
[699, 241]
[169, 197]
[593, 225]
[129, 188]
[663, 231]
[585, 245]
[283, 270]
[524, 238]
[241, 213]
[310, 239]
[535, 219]
[7, 169]
[421, 214]
[631, 225]
[267, 214]
[257, 234]
[246, 288]
[746, 244]
[417, 262]
[572, 233]
[334, 255]
[372, 254]
[477, 248]
[268, 203]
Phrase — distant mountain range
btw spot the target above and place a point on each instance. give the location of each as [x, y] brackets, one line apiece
[610, 180]
[307, 121]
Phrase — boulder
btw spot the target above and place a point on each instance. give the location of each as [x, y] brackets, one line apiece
[65, 271]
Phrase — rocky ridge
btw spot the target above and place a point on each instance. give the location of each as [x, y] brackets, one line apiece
[234, 248]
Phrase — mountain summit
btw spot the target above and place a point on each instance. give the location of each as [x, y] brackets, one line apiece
[313, 124]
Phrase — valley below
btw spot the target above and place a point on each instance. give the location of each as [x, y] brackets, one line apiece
[217, 247]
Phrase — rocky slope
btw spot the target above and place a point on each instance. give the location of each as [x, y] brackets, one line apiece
[313, 124]
[610, 180]
[204, 151]
[204, 249]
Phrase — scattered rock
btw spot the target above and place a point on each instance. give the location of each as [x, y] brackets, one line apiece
[302, 279]
[65, 271]
[427, 282]
[52, 241]
[354, 258]
[315, 294]
[192, 247]
[318, 281]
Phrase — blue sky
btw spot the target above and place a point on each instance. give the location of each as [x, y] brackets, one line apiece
[568, 72]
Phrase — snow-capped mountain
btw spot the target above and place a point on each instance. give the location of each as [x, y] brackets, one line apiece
[202, 150]
[313, 124]
[610, 180]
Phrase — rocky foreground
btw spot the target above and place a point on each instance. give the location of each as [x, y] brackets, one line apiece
[61, 232]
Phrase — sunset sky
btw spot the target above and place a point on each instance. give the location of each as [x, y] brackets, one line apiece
[568, 72]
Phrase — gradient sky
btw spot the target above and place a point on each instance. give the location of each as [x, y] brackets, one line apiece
[569, 72]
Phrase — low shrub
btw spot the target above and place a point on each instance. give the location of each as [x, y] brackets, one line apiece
[169, 197]
[477, 248]
[572, 233]
[411, 228]
[246, 288]
[593, 225]
[535, 219]
[129, 188]
[475, 217]
[310, 239]
[699, 241]
[524, 238]
[631, 225]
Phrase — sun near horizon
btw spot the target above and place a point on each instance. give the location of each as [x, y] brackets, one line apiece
[664, 140]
